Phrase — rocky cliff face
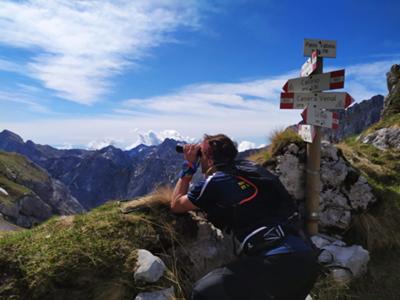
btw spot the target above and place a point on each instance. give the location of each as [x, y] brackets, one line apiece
[355, 119]
[392, 100]
[29, 195]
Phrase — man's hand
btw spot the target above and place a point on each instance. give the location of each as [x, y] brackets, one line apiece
[190, 152]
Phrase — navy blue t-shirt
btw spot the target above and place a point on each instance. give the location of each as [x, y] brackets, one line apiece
[219, 193]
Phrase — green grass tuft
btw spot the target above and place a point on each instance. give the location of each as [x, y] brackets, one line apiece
[84, 256]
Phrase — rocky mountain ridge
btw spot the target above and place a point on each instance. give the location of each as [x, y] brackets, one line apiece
[95, 176]
[29, 195]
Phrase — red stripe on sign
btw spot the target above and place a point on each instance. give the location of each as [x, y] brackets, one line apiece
[287, 95]
[348, 101]
[335, 126]
[336, 85]
[337, 73]
[285, 87]
[335, 115]
[304, 115]
[286, 105]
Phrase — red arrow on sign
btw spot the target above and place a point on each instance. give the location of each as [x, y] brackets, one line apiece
[321, 100]
[310, 65]
[314, 116]
[317, 82]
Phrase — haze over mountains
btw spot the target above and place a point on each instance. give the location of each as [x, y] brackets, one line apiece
[96, 176]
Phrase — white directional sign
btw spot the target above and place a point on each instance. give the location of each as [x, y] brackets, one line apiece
[327, 48]
[310, 65]
[317, 82]
[321, 100]
[314, 116]
[307, 132]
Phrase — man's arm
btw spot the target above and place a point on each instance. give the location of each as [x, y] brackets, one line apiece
[180, 202]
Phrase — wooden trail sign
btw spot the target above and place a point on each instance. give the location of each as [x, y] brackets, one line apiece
[320, 117]
[316, 82]
[327, 48]
[307, 132]
[339, 100]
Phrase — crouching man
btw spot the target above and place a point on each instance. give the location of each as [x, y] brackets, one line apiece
[274, 261]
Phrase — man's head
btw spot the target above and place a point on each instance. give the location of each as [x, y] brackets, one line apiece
[217, 150]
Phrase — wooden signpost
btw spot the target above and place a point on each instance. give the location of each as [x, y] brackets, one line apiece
[306, 93]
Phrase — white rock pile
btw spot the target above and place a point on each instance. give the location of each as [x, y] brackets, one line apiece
[343, 194]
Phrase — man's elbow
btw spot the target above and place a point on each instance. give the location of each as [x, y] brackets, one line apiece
[181, 205]
[174, 206]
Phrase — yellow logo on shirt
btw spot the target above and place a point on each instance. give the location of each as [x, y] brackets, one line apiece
[243, 185]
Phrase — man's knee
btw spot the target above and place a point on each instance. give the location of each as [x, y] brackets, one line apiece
[211, 286]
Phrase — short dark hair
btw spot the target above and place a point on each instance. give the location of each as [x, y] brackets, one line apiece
[222, 148]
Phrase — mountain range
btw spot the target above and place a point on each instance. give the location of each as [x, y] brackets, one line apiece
[95, 176]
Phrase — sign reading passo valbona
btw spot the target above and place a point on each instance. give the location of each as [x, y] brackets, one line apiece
[326, 48]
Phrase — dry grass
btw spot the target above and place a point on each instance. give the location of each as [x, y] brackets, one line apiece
[160, 197]
[282, 138]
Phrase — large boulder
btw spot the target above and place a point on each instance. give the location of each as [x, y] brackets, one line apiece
[343, 191]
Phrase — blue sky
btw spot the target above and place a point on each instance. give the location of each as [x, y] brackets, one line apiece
[91, 73]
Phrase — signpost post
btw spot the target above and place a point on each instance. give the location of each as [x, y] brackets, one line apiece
[306, 93]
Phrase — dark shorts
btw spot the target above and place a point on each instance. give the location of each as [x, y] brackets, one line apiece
[283, 276]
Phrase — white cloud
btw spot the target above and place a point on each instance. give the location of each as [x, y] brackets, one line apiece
[79, 45]
[23, 99]
[9, 66]
[246, 111]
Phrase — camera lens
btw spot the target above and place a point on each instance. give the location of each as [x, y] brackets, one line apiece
[179, 148]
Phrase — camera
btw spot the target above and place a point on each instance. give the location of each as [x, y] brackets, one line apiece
[179, 149]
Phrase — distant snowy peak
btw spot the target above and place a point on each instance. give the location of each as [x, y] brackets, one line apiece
[152, 138]
[246, 145]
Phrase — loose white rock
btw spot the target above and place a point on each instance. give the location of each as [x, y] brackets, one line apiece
[3, 191]
[150, 268]
[355, 258]
[166, 294]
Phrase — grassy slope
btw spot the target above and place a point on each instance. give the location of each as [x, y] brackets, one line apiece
[377, 229]
[88, 256]
[23, 170]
